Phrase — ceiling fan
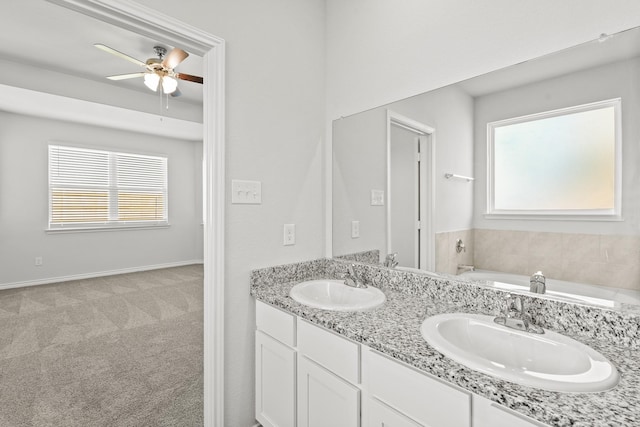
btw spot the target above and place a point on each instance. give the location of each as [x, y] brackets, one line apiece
[159, 72]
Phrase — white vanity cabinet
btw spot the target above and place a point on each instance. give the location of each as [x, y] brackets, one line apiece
[307, 376]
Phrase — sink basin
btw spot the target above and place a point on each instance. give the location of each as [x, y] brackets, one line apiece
[335, 295]
[549, 361]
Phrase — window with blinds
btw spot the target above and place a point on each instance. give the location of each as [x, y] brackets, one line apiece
[102, 189]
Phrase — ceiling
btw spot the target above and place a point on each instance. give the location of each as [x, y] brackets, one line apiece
[38, 33]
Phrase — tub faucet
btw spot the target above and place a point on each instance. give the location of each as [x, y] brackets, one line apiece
[515, 317]
[537, 283]
[390, 260]
[352, 279]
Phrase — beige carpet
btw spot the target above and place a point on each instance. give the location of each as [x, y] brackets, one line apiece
[121, 350]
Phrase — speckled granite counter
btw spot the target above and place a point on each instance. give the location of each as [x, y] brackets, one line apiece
[394, 329]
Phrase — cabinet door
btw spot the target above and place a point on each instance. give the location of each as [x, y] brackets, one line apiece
[324, 399]
[275, 382]
[377, 414]
[489, 414]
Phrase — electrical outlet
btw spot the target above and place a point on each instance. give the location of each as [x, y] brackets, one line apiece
[355, 229]
[289, 234]
[38, 261]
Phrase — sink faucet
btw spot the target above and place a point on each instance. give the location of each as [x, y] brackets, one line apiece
[390, 260]
[352, 279]
[537, 283]
[515, 317]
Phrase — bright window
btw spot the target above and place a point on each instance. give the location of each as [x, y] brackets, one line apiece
[562, 163]
[104, 189]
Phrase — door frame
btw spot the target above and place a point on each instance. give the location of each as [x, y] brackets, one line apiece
[143, 20]
[427, 185]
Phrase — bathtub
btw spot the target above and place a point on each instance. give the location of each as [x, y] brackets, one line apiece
[556, 289]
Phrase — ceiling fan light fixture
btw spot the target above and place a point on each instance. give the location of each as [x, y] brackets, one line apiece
[169, 84]
[152, 80]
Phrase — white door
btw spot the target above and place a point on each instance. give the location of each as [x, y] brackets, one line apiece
[404, 196]
[324, 399]
[275, 382]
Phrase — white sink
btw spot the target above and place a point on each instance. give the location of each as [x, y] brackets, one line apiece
[335, 295]
[549, 361]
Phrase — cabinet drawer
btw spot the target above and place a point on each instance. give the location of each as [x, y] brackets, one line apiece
[377, 414]
[277, 323]
[420, 397]
[335, 353]
[489, 414]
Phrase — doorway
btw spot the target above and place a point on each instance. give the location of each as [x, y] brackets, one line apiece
[410, 192]
[132, 16]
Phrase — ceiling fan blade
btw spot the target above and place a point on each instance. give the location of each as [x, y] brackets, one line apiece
[189, 77]
[120, 54]
[126, 76]
[173, 58]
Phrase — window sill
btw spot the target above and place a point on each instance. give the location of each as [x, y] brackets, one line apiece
[93, 229]
[560, 217]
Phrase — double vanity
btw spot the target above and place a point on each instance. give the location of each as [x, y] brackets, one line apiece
[416, 350]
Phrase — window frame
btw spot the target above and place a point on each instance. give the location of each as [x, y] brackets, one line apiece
[613, 214]
[112, 223]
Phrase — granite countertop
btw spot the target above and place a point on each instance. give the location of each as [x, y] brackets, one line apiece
[394, 329]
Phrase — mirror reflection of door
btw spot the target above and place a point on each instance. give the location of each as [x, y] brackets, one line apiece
[405, 196]
[409, 197]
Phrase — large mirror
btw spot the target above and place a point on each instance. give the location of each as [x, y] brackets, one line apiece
[487, 175]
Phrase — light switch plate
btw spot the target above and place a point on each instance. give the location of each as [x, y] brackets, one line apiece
[377, 197]
[246, 192]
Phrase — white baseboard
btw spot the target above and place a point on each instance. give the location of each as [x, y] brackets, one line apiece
[96, 274]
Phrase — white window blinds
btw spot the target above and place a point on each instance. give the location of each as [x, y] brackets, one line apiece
[95, 188]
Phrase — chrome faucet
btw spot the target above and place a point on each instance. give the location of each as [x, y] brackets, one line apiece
[537, 283]
[352, 279]
[390, 260]
[515, 317]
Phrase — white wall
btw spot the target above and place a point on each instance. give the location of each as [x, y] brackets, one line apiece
[24, 205]
[275, 127]
[379, 51]
[597, 84]
[359, 166]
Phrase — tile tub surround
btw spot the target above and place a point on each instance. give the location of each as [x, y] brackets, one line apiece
[394, 329]
[609, 260]
[447, 257]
